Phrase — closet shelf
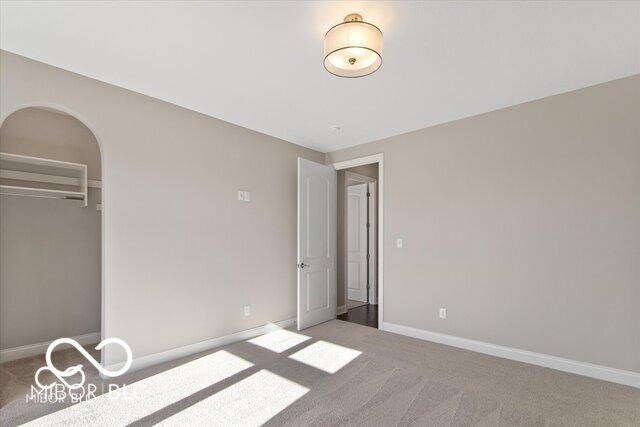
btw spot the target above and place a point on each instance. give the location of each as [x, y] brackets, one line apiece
[15, 166]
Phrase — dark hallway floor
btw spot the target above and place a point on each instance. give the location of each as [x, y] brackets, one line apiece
[366, 315]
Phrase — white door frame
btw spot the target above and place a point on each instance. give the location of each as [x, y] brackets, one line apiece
[352, 178]
[361, 161]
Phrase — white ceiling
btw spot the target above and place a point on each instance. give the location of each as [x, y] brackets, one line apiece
[259, 64]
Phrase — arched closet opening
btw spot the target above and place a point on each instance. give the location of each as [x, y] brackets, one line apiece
[50, 233]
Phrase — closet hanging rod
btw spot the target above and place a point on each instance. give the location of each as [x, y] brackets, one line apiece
[12, 190]
[43, 197]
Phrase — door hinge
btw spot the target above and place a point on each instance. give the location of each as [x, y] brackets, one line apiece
[368, 194]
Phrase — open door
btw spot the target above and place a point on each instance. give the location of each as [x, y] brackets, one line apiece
[357, 243]
[316, 243]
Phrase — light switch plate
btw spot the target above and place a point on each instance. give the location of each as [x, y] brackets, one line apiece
[399, 243]
[240, 195]
[247, 196]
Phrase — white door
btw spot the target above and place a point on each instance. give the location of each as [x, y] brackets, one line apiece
[316, 243]
[373, 243]
[357, 242]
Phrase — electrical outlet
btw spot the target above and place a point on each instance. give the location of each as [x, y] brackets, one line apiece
[399, 243]
[443, 313]
[247, 310]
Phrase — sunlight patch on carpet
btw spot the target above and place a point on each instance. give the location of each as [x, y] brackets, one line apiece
[252, 401]
[279, 341]
[326, 356]
[137, 400]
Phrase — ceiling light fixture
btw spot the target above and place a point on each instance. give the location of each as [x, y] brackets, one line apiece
[353, 48]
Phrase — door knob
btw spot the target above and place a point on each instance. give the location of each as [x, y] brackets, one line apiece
[303, 265]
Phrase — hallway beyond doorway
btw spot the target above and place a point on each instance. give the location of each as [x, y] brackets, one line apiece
[366, 315]
[351, 303]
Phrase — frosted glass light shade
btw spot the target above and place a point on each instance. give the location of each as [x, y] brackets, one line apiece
[353, 48]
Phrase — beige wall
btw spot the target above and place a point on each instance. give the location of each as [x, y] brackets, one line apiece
[49, 249]
[49, 269]
[182, 255]
[367, 170]
[524, 223]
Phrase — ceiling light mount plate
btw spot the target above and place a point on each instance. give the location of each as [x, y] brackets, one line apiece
[353, 48]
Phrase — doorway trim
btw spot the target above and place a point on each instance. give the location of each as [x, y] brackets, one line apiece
[361, 161]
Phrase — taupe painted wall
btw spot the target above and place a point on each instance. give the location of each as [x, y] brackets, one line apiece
[524, 223]
[182, 255]
[49, 249]
[49, 269]
[367, 170]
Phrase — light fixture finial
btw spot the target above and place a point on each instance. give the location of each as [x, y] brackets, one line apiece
[353, 17]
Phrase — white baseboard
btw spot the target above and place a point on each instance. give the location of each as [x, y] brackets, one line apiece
[187, 350]
[567, 365]
[342, 309]
[41, 347]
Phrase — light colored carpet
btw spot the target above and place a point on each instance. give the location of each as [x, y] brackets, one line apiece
[353, 304]
[337, 373]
